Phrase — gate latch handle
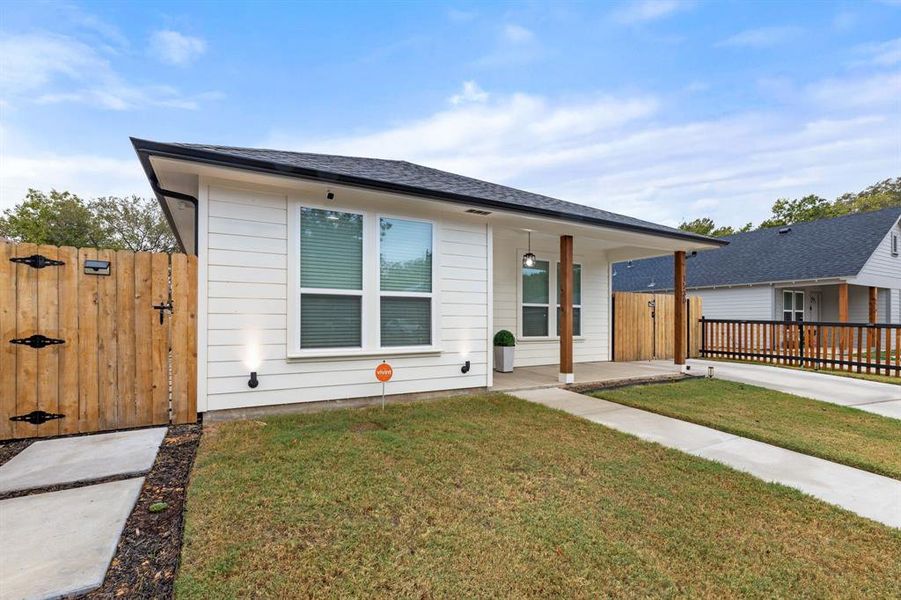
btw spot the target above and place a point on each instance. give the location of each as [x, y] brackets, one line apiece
[162, 307]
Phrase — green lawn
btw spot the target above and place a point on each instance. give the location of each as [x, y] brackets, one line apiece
[490, 496]
[833, 432]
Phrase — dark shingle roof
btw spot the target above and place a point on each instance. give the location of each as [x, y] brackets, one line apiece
[405, 177]
[836, 247]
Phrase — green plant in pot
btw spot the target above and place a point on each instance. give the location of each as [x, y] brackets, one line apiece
[504, 343]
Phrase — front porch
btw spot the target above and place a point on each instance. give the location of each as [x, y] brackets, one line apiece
[545, 376]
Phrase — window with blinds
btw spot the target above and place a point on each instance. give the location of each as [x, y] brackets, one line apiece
[536, 299]
[405, 282]
[331, 279]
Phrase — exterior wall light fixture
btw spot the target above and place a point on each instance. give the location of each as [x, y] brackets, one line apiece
[465, 368]
[253, 381]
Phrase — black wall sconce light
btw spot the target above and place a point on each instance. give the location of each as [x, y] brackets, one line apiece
[253, 382]
[465, 368]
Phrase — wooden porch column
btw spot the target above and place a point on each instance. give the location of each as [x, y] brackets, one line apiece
[679, 307]
[843, 302]
[874, 300]
[566, 309]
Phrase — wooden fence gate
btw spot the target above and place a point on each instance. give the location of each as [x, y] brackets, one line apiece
[643, 326]
[95, 340]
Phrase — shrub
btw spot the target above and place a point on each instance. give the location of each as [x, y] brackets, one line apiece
[504, 338]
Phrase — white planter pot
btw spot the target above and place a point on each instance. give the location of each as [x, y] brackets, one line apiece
[503, 358]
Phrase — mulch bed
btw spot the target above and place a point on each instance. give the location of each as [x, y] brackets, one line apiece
[146, 559]
[9, 449]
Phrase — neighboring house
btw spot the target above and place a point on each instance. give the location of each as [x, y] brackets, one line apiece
[313, 269]
[814, 269]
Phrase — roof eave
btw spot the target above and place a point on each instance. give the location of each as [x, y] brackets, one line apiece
[147, 148]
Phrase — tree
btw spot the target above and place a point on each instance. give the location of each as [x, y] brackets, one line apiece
[134, 223]
[706, 226]
[885, 194]
[64, 219]
[808, 208]
[57, 218]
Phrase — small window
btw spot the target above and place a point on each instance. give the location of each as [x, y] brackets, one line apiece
[536, 299]
[405, 273]
[577, 298]
[792, 305]
[894, 244]
[331, 279]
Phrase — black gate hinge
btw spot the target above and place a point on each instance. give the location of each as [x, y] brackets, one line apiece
[37, 341]
[37, 261]
[37, 417]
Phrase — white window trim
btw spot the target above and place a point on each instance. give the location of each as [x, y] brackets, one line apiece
[553, 334]
[370, 335]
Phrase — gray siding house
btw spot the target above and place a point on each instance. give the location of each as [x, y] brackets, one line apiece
[825, 270]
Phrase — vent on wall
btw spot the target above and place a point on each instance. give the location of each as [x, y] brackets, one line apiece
[784, 230]
[476, 211]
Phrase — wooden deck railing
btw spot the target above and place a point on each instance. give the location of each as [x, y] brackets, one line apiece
[858, 347]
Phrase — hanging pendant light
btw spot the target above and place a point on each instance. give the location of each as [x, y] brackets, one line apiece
[528, 259]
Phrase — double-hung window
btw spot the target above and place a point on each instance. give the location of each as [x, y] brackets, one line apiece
[405, 282]
[792, 305]
[364, 283]
[331, 279]
[536, 299]
[537, 310]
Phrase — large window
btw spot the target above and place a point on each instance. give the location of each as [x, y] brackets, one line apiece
[364, 282]
[792, 305]
[537, 309]
[405, 282]
[331, 279]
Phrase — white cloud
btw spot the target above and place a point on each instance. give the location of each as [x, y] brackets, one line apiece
[883, 54]
[517, 34]
[619, 153]
[762, 37]
[471, 92]
[49, 68]
[86, 175]
[648, 10]
[858, 92]
[176, 48]
[515, 46]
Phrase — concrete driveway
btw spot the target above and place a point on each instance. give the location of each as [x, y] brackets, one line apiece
[879, 398]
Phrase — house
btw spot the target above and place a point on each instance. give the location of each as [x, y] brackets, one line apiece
[313, 269]
[845, 269]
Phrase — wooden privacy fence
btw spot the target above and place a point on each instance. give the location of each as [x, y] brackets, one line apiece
[643, 326]
[88, 349]
[860, 347]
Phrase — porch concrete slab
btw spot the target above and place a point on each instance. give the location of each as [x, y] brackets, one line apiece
[83, 458]
[544, 376]
[575, 404]
[60, 544]
[871, 396]
[867, 494]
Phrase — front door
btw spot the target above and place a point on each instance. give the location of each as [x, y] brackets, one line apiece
[813, 306]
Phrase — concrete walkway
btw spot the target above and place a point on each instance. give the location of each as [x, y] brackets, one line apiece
[879, 398]
[58, 544]
[867, 494]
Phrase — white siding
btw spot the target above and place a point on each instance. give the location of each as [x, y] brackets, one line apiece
[593, 344]
[245, 241]
[882, 264]
[753, 302]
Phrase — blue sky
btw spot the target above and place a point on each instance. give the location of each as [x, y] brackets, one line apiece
[662, 109]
